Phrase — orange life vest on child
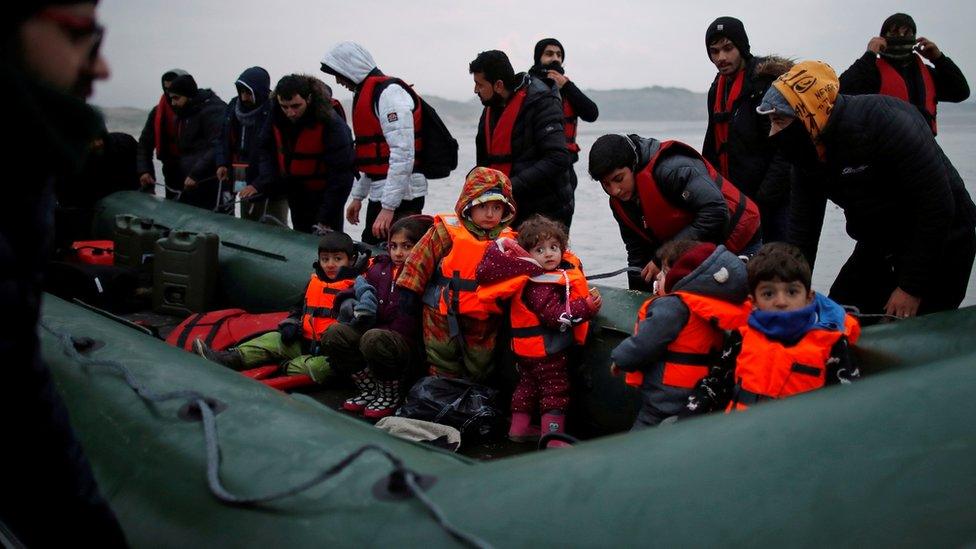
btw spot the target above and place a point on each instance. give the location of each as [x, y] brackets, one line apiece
[691, 354]
[665, 220]
[894, 85]
[372, 150]
[767, 369]
[530, 339]
[304, 161]
[319, 299]
[570, 124]
[453, 290]
[498, 140]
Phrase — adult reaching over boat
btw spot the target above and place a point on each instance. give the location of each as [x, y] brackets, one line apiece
[199, 119]
[549, 58]
[875, 157]
[49, 59]
[386, 118]
[521, 134]
[236, 153]
[894, 64]
[736, 138]
[664, 190]
[305, 151]
[159, 136]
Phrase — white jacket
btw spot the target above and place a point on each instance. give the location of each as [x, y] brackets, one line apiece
[394, 109]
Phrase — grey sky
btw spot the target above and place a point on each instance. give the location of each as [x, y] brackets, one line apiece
[609, 44]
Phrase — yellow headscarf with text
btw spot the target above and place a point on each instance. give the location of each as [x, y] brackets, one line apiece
[811, 89]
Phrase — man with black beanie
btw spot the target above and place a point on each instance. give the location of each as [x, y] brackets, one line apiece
[735, 140]
[159, 136]
[49, 59]
[894, 64]
[548, 61]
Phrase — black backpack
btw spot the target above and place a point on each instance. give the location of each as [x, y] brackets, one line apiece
[439, 156]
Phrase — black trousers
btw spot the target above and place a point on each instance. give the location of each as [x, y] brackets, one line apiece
[406, 208]
[323, 207]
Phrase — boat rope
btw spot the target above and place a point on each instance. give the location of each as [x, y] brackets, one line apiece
[212, 445]
[614, 273]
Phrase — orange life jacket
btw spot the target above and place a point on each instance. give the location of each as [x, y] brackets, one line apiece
[722, 116]
[166, 130]
[319, 298]
[498, 140]
[894, 85]
[691, 354]
[530, 338]
[303, 162]
[372, 150]
[665, 220]
[570, 123]
[767, 369]
[453, 290]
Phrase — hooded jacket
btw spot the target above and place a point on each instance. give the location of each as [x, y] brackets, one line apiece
[242, 128]
[541, 161]
[394, 109]
[199, 126]
[147, 139]
[880, 163]
[722, 277]
[754, 165]
[437, 243]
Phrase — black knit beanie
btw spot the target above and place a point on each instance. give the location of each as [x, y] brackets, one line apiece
[184, 85]
[540, 47]
[730, 28]
[898, 20]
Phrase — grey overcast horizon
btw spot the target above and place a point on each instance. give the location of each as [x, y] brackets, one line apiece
[609, 45]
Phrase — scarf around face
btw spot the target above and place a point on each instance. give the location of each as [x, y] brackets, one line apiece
[811, 89]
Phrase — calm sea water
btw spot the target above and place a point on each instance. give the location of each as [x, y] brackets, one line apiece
[596, 239]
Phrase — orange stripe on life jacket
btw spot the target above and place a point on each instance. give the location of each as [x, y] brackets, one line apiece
[165, 130]
[372, 150]
[766, 369]
[722, 116]
[570, 124]
[303, 161]
[498, 140]
[894, 85]
[530, 339]
[319, 299]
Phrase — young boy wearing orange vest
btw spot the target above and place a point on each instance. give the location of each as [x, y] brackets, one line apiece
[295, 344]
[796, 340]
[679, 334]
[549, 315]
[460, 321]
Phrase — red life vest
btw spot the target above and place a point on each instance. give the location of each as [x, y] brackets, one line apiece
[166, 130]
[664, 220]
[224, 328]
[303, 161]
[894, 85]
[691, 354]
[453, 290]
[498, 140]
[722, 116]
[767, 369]
[530, 339]
[372, 150]
[319, 298]
[570, 123]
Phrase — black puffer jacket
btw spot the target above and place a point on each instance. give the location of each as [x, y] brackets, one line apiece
[540, 170]
[884, 168]
[200, 125]
[754, 165]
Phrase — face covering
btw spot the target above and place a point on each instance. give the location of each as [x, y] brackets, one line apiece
[899, 48]
[795, 144]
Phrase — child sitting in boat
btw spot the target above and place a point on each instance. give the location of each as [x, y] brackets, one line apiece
[679, 334]
[295, 344]
[380, 357]
[796, 340]
[459, 323]
[548, 316]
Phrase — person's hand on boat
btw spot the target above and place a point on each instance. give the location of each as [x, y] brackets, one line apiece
[594, 301]
[222, 173]
[382, 224]
[649, 272]
[189, 183]
[877, 44]
[147, 180]
[559, 79]
[352, 211]
[248, 192]
[902, 304]
[928, 49]
[615, 370]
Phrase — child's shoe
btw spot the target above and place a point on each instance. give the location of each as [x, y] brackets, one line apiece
[366, 385]
[520, 430]
[230, 358]
[554, 421]
[386, 399]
